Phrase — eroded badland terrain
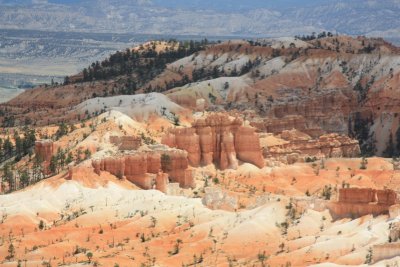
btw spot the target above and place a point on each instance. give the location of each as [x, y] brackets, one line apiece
[242, 153]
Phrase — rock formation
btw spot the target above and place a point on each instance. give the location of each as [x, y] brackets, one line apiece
[185, 139]
[367, 195]
[386, 197]
[44, 149]
[357, 202]
[149, 169]
[247, 145]
[162, 182]
[314, 114]
[218, 139]
[385, 251]
[303, 145]
[175, 164]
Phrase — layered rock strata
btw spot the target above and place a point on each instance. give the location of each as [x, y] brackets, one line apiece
[217, 139]
[314, 114]
[385, 251]
[357, 202]
[149, 169]
[299, 146]
[44, 150]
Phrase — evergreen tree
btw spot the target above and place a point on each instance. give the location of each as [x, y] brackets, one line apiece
[61, 157]
[8, 148]
[87, 154]
[66, 80]
[69, 159]
[8, 176]
[53, 165]
[11, 251]
[37, 169]
[1, 150]
[18, 146]
[24, 178]
[62, 130]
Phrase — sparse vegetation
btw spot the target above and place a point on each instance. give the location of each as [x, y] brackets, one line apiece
[363, 164]
[89, 255]
[311, 159]
[11, 252]
[176, 248]
[327, 192]
[41, 226]
[262, 257]
[368, 257]
[140, 66]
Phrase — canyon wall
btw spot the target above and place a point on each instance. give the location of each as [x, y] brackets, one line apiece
[217, 139]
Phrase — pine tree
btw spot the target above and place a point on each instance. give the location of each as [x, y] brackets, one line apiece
[18, 146]
[8, 148]
[61, 158]
[53, 165]
[8, 176]
[11, 251]
[37, 169]
[24, 178]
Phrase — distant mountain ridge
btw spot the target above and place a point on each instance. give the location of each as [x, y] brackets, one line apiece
[255, 18]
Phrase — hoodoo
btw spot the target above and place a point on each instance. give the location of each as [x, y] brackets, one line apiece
[219, 139]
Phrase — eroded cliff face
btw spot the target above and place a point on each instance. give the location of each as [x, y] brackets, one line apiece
[368, 195]
[217, 139]
[299, 146]
[44, 149]
[149, 169]
[247, 145]
[313, 113]
[357, 202]
[186, 139]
